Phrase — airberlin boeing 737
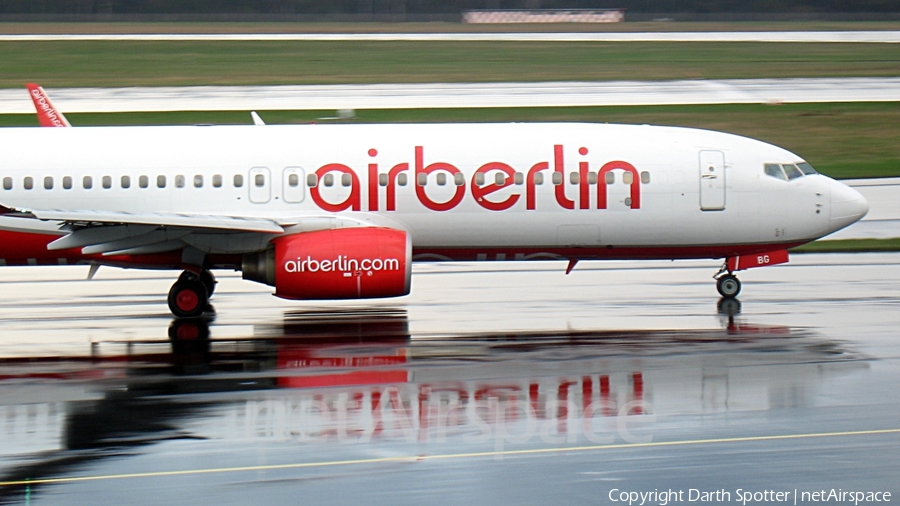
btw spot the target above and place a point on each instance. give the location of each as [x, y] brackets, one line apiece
[341, 211]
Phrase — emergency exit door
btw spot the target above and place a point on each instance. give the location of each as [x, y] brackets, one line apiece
[712, 180]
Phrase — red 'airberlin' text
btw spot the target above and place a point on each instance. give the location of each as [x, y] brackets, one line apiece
[483, 185]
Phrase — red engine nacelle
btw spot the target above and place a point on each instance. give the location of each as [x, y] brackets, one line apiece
[347, 263]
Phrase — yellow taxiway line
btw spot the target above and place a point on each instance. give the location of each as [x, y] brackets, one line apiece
[450, 456]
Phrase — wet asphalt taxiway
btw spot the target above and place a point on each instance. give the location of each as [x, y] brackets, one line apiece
[502, 383]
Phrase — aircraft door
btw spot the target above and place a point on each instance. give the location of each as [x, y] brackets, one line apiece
[712, 180]
[260, 185]
[293, 185]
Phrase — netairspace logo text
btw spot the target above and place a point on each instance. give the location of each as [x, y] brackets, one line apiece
[745, 497]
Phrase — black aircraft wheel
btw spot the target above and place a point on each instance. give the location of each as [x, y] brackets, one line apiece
[209, 281]
[206, 277]
[729, 286]
[188, 298]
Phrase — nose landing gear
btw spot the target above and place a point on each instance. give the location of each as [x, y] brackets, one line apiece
[189, 296]
[728, 285]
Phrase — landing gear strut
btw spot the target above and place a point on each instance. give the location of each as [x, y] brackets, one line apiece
[189, 296]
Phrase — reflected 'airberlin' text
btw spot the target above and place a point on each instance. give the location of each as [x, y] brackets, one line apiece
[443, 416]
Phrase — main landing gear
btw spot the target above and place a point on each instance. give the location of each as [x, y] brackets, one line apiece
[189, 296]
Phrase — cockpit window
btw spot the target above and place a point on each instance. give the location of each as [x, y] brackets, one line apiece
[774, 170]
[792, 171]
[806, 168]
[789, 171]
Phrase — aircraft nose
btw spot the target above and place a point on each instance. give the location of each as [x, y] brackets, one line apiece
[847, 205]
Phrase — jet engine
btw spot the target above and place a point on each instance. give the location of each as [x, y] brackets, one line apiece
[345, 263]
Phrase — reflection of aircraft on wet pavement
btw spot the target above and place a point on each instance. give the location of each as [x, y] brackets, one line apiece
[341, 211]
[318, 376]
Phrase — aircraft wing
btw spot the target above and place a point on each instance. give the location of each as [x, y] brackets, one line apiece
[119, 233]
[223, 223]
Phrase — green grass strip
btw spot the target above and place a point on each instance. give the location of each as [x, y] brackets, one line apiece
[438, 27]
[849, 246]
[182, 63]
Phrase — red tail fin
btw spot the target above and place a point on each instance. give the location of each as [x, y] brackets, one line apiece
[47, 114]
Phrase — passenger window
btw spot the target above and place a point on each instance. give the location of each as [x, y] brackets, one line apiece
[774, 170]
[7, 183]
[479, 179]
[198, 181]
[328, 180]
[238, 181]
[217, 181]
[346, 180]
[806, 168]
[179, 181]
[442, 179]
[557, 178]
[402, 179]
[126, 182]
[539, 178]
[293, 180]
[792, 171]
[28, 183]
[610, 177]
[259, 180]
[574, 178]
[312, 180]
[107, 182]
[422, 179]
[160, 181]
[519, 178]
[500, 179]
[645, 177]
[592, 178]
[628, 178]
[459, 179]
[144, 181]
[48, 183]
[87, 183]
[382, 179]
[67, 182]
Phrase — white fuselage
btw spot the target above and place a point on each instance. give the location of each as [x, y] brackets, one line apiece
[688, 188]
